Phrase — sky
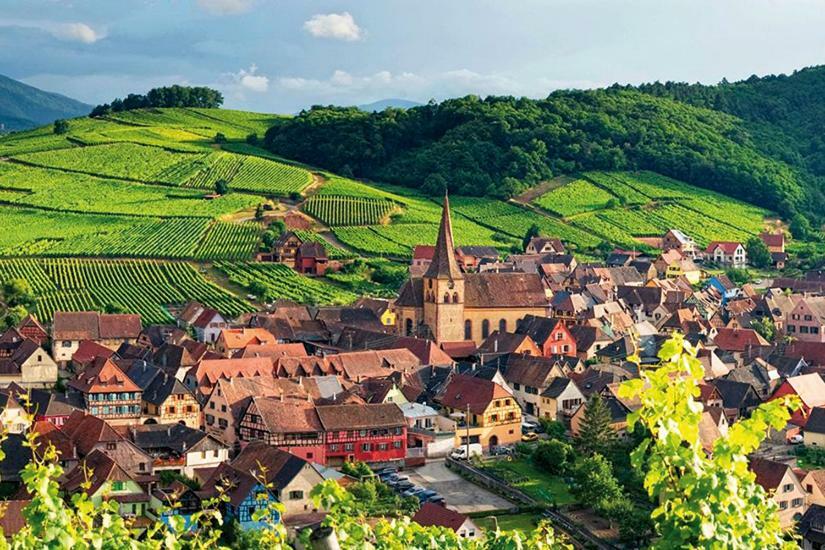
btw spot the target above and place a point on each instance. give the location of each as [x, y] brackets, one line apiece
[284, 55]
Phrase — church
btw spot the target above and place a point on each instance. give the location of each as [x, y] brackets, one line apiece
[448, 305]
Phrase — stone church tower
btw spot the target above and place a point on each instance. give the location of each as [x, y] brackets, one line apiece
[444, 286]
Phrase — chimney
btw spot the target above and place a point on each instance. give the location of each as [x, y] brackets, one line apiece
[495, 345]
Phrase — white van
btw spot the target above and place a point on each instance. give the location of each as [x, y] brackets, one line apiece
[460, 453]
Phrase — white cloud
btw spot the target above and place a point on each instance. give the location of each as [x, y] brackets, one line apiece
[78, 32]
[339, 26]
[250, 80]
[72, 32]
[225, 7]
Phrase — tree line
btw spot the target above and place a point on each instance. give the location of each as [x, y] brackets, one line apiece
[498, 146]
[167, 96]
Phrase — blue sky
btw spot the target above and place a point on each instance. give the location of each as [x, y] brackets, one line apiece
[282, 55]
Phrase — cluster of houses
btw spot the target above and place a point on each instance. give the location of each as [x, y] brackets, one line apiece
[471, 348]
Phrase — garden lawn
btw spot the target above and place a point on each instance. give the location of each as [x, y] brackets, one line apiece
[542, 486]
[509, 522]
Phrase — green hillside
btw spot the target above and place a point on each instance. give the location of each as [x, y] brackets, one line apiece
[759, 141]
[93, 215]
[23, 106]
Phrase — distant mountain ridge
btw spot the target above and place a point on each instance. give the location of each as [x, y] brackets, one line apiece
[381, 104]
[23, 106]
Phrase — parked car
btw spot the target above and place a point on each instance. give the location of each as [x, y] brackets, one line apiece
[501, 450]
[461, 453]
[413, 491]
[530, 436]
[424, 495]
[436, 499]
[796, 439]
[402, 486]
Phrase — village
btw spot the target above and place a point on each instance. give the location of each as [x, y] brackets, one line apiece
[453, 395]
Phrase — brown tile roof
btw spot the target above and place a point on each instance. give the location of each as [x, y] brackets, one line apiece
[97, 468]
[49, 434]
[86, 431]
[288, 415]
[477, 393]
[769, 473]
[78, 325]
[103, 376]
[436, 515]
[206, 316]
[356, 417]
[281, 467]
[505, 342]
[486, 290]
[118, 325]
[239, 391]
[274, 350]
[530, 371]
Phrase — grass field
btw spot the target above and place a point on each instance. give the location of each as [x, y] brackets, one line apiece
[509, 522]
[540, 485]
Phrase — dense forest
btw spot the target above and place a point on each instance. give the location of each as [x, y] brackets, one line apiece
[757, 140]
[167, 96]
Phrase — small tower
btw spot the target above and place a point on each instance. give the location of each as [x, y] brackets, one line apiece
[444, 286]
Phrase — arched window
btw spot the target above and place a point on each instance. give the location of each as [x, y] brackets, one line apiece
[502, 325]
[468, 330]
[455, 297]
[485, 328]
[446, 297]
[408, 328]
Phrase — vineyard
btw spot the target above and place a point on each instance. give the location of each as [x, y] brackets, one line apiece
[574, 198]
[341, 210]
[229, 241]
[281, 282]
[134, 286]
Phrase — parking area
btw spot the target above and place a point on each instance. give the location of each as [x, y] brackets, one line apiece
[458, 493]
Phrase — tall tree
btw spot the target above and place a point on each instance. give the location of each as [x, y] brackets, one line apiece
[595, 433]
[532, 231]
[758, 253]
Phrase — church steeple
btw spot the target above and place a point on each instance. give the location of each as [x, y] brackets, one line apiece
[444, 264]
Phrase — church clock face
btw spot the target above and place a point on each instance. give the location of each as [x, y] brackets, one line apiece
[451, 285]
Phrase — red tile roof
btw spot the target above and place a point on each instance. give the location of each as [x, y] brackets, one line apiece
[470, 391]
[738, 339]
[728, 247]
[103, 376]
[88, 351]
[433, 514]
[773, 239]
[769, 473]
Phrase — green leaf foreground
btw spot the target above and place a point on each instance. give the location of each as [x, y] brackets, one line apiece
[703, 502]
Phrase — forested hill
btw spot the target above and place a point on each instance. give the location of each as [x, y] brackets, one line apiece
[499, 145]
[23, 106]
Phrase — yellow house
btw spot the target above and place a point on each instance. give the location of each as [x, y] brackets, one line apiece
[684, 268]
[383, 309]
[488, 414]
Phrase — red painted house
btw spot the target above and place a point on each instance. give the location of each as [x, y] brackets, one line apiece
[810, 388]
[550, 335]
[311, 259]
[367, 433]
[330, 434]
[291, 425]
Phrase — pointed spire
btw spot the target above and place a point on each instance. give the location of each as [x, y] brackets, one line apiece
[444, 264]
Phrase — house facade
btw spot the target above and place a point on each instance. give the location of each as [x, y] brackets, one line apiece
[488, 414]
[727, 253]
[108, 392]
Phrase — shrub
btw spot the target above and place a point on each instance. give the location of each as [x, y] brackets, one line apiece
[553, 456]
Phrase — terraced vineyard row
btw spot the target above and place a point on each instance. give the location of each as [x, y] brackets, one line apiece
[574, 198]
[282, 282]
[135, 286]
[336, 210]
[230, 241]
